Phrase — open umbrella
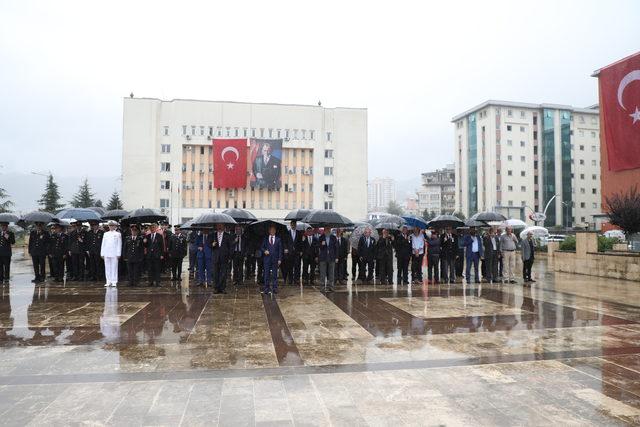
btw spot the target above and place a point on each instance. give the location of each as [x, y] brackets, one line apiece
[297, 214]
[327, 218]
[9, 217]
[80, 214]
[37, 216]
[358, 231]
[474, 223]
[390, 226]
[98, 209]
[445, 220]
[138, 216]
[212, 218]
[240, 215]
[261, 228]
[491, 218]
[115, 214]
[536, 230]
[301, 226]
[515, 223]
[415, 222]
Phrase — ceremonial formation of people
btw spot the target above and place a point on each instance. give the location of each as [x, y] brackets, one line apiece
[279, 255]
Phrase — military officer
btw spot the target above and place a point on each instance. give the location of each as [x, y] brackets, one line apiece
[7, 238]
[177, 251]
[59, 250]
[134, 254]
[38, 244]
[93, 244]
[76, 250]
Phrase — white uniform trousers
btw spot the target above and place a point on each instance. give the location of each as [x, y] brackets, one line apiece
[111, 269]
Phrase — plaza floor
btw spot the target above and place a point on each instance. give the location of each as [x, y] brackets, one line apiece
[565, 351]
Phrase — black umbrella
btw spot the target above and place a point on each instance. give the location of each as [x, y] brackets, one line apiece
[473, 223]
[444, 221]
[302, 226]
[37, 216]
[80, 214]
[98, 209]
[261, 228]
[138, 216]
[241, 216]
[327, 218]
[212, 218]
[489, 217]
[297, 214]
[9, 217]
[392, 227]
[115, 214]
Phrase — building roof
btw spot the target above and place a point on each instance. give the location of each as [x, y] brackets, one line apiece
[240, 102]
[588, 110]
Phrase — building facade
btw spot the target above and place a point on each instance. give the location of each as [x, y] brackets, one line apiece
[167, 160]
[515, 158]
[380, 191]
[437, 193]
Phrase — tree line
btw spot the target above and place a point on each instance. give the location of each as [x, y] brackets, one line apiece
[51, 200]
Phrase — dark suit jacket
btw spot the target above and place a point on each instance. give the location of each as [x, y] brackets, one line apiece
[59, 244]
[384, 248]
[468, 243]
[275, 250]
[93, 241]
[368, 253]
[292, 244]
[309, 251]
[402, 246]
[243, 240]
[133, 248]
[38, 243]
[178, 245]
[327, 251]
[270, 172]
[155, 248]
[5, 243]
[449, 246]
[488, 247]
[343, 247]
[222, 251]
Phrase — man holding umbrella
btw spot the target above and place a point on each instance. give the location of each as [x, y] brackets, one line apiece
[384, 257]
[366, 252]
[221, 251]
[7, 238]
[309, 250]
[38, 245]
[272, 258]
[291, 261]
[154, 244]
[448, 253]
[59, 250]
[327, 259]
[403, 255]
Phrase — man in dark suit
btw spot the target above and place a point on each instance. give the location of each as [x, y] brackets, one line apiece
[177, 251]
[38, 245]
[448, 254]
[239, 252]
[272, 258]
[343, 253]
[473, 252]
[327, 259]
[134, 254]
[491, 246]
[291, 262]
[266, 169]
[92, 246]
[403, 255]
[59, 248]
[155, 254]
[204, 253]
[366, 254]
[7, 238]
[384, 257]
[309, 255]
[77, 251]
[221, 250]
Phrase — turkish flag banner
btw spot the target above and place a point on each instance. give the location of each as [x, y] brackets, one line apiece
[620, 112]
[229, 163]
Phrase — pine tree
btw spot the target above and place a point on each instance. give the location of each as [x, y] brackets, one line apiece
[5, 205]
[97, 203]
[84, 196]
[50, 200]
[114, 202]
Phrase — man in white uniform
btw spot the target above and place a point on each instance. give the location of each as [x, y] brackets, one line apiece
[110, 252]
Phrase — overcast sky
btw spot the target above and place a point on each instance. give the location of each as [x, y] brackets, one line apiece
[65, 66]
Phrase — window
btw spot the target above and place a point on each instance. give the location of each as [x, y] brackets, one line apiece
[594, 120]
[593, 162]
[510, 203]
[328, 171]
[165, 132]
[184, 167]
[228, 131]
[508, 128]
[311, 134]
[211, 131]
[594, 191]
[165, 148]
[245, 132]
[582, 219]
[535, 134]
[328, 205]
[522, 144]
[593, 134]
[521, 128]
[509, 158]
[581, 176]
[581, 119]
[328, 188]
[580, 132]
[594, 176]
[286, 134]
[582, 191]
[582, 148]
[582, 161]
[295, 134]
[236, 132]
[201, 130]
[193, 130]
[593, 148]
[594, 205]
[304, 134]
[497, 171]
[261, 132]
[523, 173]
[219, 131]
[509, 142]
[510, 173]
[509, 187]
[328, 136]
[164, 203]
[253, 132]
[165, 185]
[270, 133]
[523, 188]
[522, 114]
[509, 114]
[522, 159]
[582, 204]
[328, 154]
[202, 149]
[165, 167]
[184, 130]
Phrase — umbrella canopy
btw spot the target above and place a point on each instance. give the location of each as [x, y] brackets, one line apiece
[392, 227]
[213, 218]
[415, 222]
[301, 226]
[61, 222]
[240, 215]
[358, 231]
[80, 214]
[9, 217]
[444, 221]
[260, 229]
[297, 214]
[536, 230]
[473, 223]
[515, 223]
[98, 209]
[141, 215]
[115, 214]
[327, 218]
[37, 216]
[489, 217]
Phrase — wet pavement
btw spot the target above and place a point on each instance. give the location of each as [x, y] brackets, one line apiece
[565, 351]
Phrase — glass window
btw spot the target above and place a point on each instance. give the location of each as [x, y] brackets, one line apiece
[508, 128]
[522, 158]
[164, 203]
[328, 136]
[165, 185]
[521, 128]
[193, 130]
[522, 173]
[328, 154]
[184, 130]
[522, 143]
[165, 148]
[311, 134]
[328, 171]
[165, 167]
[509, 158]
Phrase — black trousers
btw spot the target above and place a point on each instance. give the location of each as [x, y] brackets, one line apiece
[39, 263]
[238, 267]
[447, 268]
[193, 253]
[366, 269]
[433, 269]
[57, 262]
[51, 266]
[341, 269]
[155, 265]
[354, 266]
[77, 266]
[220, 274]
[308, 269]
[459, 262]
[133, 272]
[385, 270]
[416, 267]
[176, 267]
[526, 269]
[96, 267]
[403, 269]
[5, 267]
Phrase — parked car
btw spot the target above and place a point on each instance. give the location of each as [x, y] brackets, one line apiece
[618, 234]
[556, 238]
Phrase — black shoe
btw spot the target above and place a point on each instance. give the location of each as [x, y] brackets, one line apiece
[531, 280]
[512, 282]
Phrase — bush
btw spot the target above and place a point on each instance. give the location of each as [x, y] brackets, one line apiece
[606, 243]
[568, 244]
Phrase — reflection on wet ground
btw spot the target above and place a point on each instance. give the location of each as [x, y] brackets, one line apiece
[569, 345]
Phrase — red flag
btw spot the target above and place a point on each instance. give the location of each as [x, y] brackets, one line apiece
[229, 163]
[620, 112]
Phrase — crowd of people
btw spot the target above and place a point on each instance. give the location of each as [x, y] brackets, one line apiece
[312, 256]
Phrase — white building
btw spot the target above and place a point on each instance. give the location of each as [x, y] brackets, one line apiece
[437, 192]
[515, 157]
[380, 192]
[167, 160]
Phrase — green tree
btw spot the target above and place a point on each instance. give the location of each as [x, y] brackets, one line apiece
[97, 203]
[50, 200]
[114, 202]
[5, 205]
[394, 208]
[84, 196]
[428, 216]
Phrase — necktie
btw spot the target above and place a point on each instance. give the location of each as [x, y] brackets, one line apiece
[271, 240]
